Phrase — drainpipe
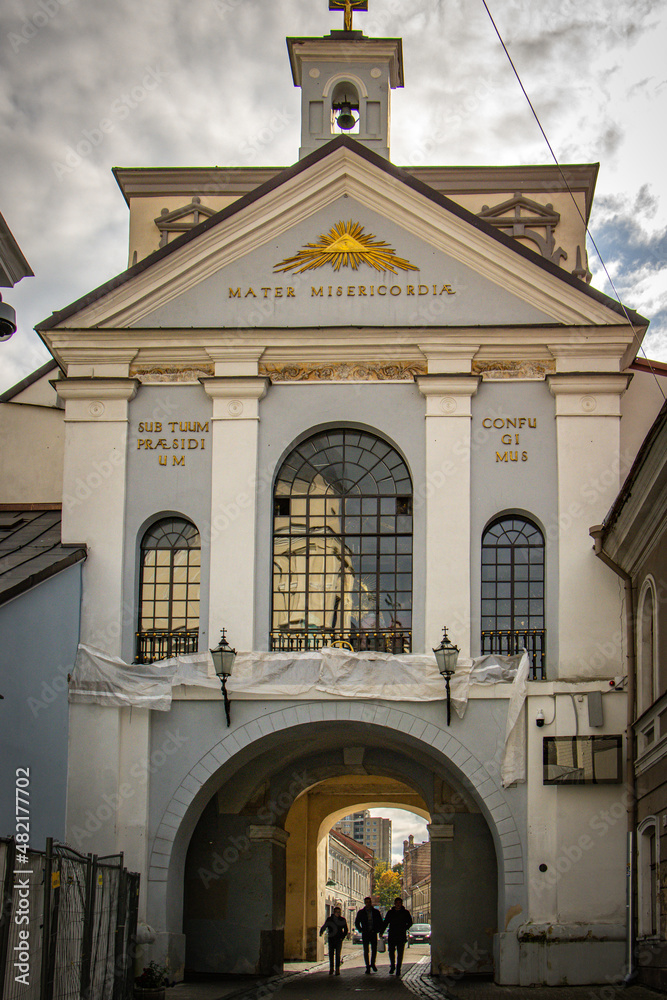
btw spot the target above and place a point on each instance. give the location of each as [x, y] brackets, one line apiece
[596, 533]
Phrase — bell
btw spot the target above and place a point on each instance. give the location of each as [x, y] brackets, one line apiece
[346, 119]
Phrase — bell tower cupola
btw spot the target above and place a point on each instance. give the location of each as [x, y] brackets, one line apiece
[346, 81]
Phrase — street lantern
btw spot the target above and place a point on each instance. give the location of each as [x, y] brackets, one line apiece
[223, 657]
[446, 656]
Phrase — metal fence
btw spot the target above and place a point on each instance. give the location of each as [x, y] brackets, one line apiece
[160, 644]
[68, 924]
[509, 643]
[397, 641]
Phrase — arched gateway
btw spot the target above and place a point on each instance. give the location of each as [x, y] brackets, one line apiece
[230, 858]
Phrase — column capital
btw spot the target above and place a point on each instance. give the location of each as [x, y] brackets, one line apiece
[236, 396]
[448, 395]
[440, 831]
[269, 835]
[588, 394]
[96, 399]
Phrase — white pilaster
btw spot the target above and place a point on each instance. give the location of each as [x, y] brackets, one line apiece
[446, 496]
[94, 489]
[107, 809]
[235, 430]
[590, 471]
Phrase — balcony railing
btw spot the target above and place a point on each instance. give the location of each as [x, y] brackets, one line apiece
[161, 644]
[534, 641]
[395, 641]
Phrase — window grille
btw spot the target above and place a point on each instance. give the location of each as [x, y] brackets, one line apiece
[169, 590]
[513, 590]
[342, 545]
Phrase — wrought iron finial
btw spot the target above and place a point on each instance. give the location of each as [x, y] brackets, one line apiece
[348, 6]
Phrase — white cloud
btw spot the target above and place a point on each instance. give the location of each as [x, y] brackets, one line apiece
[403, 823]
[221, 75]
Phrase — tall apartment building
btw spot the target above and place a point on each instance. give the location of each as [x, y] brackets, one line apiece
[373, 831]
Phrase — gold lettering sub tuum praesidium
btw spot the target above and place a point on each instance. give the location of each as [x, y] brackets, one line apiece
[178, 442]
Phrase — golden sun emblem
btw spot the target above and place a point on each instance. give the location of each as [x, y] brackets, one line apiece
[346, 245]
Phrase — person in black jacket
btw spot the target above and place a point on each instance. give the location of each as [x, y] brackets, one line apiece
[368, 922]
[337, 929]
[398, 920]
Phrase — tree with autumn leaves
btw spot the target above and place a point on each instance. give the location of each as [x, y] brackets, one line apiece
[387, 884]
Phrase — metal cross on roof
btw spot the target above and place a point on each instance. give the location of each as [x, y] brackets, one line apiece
[348, 6]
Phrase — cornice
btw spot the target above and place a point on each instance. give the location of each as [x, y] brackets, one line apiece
[454, 384]
[642, 518]
[447, 349]
[269, 834]
[241, 386]
[524, 179]
[96, 388]
[571, 383]
[153, 182]
[13, 265]
[350, 51]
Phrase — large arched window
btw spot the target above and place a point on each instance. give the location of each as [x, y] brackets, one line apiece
[513, 589]
[342, 545]
[169, 590]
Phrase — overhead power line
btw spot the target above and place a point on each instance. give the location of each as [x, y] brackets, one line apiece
[588, 232]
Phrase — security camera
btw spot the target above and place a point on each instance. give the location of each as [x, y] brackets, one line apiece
[7, 321]
[539, 719]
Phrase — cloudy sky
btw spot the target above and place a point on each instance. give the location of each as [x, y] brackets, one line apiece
[403, 823]
[208, 83]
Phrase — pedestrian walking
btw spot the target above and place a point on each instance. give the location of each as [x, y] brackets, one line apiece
[337, 930]
[368, 922]
[398, 920]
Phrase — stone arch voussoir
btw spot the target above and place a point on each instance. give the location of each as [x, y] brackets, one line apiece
[489, 793]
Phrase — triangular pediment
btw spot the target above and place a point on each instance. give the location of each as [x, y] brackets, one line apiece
[347, 264]
[342, 239]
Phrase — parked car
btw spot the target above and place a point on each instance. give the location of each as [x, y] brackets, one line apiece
[419, 933]
[355, 937]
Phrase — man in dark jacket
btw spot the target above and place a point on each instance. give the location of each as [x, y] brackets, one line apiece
[368, 922]
[336, 927]
[398, 920]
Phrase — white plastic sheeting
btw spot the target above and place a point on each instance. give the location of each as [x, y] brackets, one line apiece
[101, 679]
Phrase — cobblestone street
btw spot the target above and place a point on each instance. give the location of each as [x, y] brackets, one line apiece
[302, 981]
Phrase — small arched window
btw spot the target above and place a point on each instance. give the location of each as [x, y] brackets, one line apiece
[513, 589]
[169, 585]
[647, 684]
[648, 878]
[342, 545]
